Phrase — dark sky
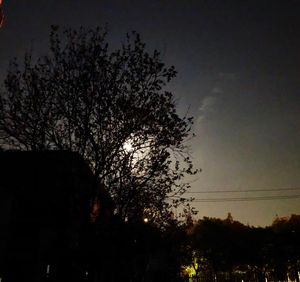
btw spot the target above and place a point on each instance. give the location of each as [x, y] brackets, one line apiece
[239, 67]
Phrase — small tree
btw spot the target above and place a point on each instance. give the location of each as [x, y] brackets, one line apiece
[110, 107]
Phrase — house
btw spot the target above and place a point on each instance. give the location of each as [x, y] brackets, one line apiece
[45, 200]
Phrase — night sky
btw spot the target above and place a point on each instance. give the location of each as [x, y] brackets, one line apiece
[238, 68]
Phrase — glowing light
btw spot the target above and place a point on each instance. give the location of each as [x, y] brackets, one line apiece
[137, 148]
[146, 220]
[128, 146]
[190, 270]
[95, 209]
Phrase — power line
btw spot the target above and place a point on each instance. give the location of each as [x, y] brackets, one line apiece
[242, 191]
[267, 198]
[243, 199]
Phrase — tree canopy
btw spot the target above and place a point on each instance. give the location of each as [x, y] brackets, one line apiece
[227, 250]
[111, 107]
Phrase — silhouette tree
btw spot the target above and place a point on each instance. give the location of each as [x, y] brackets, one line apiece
[111, 108]
[286, 247]
[220, 248]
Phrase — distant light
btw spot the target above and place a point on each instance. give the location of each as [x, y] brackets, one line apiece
[146, 220]
[190, 270]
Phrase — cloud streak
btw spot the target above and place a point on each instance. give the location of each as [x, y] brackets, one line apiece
[206, 106]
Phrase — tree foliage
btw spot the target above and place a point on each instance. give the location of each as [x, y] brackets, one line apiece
[227, 250]
[111, 107]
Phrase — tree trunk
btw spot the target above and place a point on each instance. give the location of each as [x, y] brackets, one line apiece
[260, 277]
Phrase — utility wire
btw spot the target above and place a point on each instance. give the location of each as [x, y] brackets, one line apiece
[242, 199]
[242, 191]
[208, 200]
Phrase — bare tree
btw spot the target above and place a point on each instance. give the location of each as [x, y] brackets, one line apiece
[111, 108]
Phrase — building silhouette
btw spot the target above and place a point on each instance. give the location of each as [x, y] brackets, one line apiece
[45, 200]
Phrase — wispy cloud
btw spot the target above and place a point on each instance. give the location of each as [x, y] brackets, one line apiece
[217, 90]
[227, 75]
[207, 105]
